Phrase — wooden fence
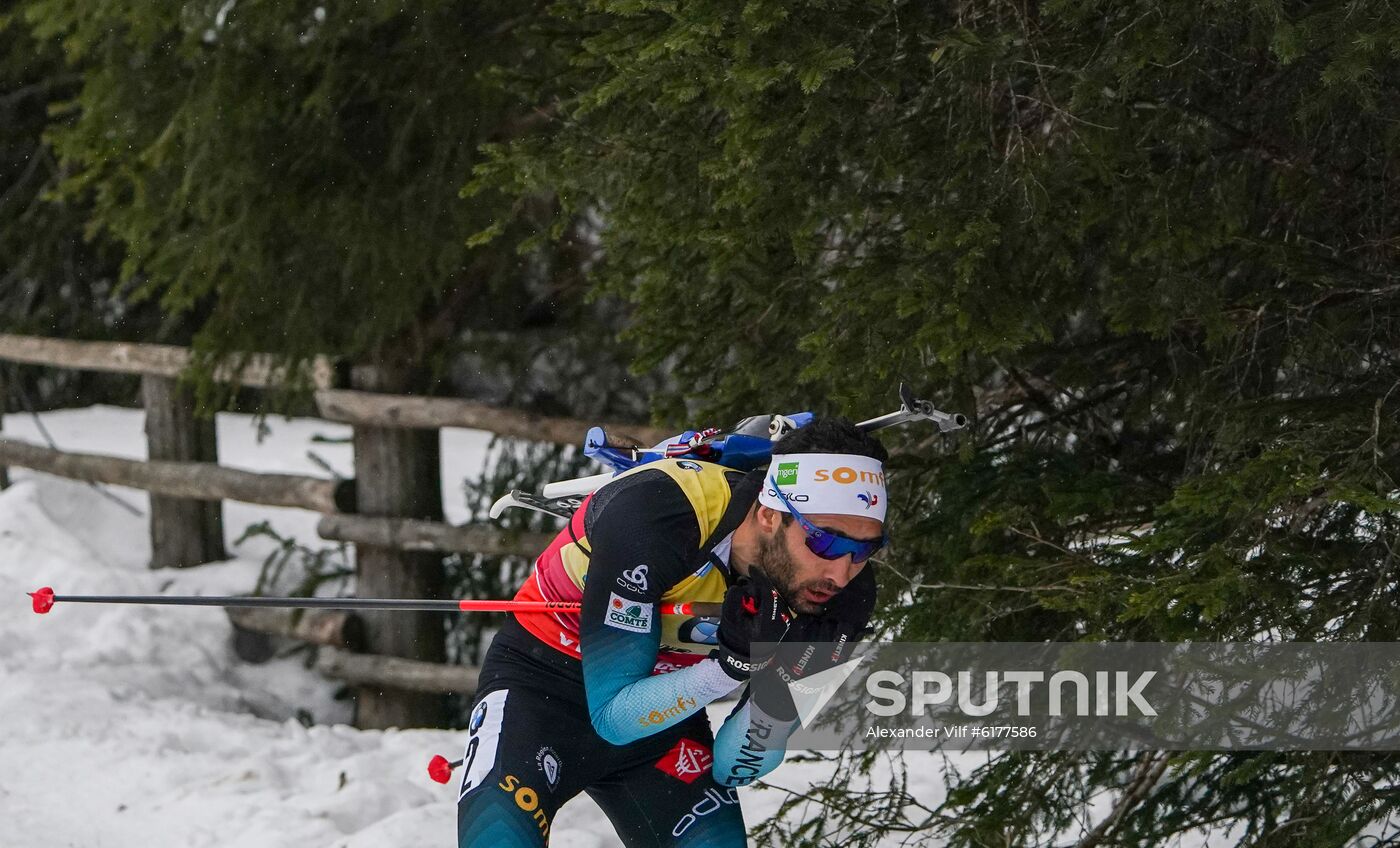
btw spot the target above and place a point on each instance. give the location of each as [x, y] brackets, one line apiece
[391, 510]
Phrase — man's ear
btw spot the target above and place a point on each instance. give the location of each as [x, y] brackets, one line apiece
[769, 520]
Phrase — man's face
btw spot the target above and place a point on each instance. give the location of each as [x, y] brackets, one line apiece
[806, 580]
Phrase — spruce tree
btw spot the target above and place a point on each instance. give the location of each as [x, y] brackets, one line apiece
[288, 174]
[54, 280]
[1151, 250]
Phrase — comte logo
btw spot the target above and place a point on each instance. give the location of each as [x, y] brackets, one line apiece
[633, 611]
[625, 614]
[787, 474]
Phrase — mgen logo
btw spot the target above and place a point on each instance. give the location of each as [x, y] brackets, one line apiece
[787, 474]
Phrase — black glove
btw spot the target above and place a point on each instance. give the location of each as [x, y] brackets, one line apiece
[754, 611]
[818, 642]
[850, 610]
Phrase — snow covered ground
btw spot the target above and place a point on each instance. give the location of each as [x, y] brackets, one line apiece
[133, 726]
[129, 726]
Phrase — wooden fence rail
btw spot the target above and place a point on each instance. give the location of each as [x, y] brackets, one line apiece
[397, 487]
[258, 371]
[370, 671]
[409, 534]
[194, 480]
[340, 637]
[335, 628]
[378, 409]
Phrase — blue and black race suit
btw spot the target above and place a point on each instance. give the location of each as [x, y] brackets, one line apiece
[611, 701]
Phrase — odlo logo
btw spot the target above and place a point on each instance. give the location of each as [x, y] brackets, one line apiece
[787, 474]
[636, 579]
[714, 799]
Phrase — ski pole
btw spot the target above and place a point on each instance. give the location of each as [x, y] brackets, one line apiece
[44, 599]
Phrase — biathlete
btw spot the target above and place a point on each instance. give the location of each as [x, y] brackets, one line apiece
[611, 701]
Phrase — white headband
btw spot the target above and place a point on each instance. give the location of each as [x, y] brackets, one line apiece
[826, 483]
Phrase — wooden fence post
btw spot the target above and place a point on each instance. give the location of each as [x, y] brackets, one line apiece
[4, 407]
[398, 473]
[183, 532]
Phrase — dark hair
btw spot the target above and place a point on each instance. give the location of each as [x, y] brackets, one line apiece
[831, 435]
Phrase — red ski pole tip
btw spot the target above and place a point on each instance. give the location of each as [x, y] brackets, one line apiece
[440, 769]
[43, 600]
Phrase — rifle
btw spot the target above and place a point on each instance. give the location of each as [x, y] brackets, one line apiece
[744, 447]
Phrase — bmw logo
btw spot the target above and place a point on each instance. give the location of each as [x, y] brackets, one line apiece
[703, 631]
